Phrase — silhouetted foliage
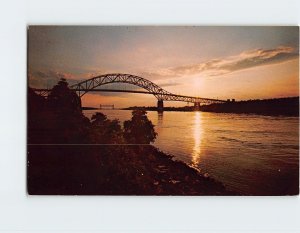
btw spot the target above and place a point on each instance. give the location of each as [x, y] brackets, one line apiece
[98, 119]
[64, 99]
[57, 119]
[139, 130]
[105, 131]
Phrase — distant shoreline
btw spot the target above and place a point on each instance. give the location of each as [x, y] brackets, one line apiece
[288, 106]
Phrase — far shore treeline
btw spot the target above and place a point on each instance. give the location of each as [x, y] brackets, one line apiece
[288, 106]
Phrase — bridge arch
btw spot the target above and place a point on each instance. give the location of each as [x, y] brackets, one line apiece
[162, 95]
[85, 86]
[88, 85]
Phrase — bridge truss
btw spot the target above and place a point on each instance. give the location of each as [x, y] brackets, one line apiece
[92, 84]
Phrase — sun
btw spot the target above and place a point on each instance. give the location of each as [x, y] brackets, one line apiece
[198, 84]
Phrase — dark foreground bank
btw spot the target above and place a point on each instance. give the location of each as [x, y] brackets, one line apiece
[113, 170]
[71, 154]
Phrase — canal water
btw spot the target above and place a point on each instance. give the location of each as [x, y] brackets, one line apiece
[250, 154]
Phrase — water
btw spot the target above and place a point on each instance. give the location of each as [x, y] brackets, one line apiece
[251, 154]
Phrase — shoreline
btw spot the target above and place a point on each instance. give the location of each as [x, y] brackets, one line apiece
[133, 170]
[240, 113]
[288, 106]
[59, 163]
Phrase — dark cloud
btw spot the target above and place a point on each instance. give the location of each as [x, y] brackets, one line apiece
[47, 79]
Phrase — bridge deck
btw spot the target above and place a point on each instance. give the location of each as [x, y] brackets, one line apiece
[132, 91]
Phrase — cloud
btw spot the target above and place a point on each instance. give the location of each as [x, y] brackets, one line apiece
[170, 83]
[48, 79]
[165, 77]
[217, 67]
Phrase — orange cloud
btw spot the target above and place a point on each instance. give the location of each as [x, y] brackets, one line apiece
[217, 67]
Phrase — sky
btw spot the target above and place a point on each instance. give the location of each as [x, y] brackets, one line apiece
[211, 62]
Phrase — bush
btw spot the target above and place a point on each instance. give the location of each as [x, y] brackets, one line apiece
[104, 130]
[139, 130]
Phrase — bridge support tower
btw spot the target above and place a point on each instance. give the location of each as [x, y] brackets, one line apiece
[196, 106]
[160, 105]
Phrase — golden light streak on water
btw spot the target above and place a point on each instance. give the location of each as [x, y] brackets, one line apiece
[197, 139]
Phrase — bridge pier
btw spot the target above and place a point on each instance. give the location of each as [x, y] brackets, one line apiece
[160, 105]
[196, 106]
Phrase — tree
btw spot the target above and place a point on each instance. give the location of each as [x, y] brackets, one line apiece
[98, 119]
[63, 120]
[63, 99]
[104, 130]
[139, 129]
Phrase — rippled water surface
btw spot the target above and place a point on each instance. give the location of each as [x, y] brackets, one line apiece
[250, 154]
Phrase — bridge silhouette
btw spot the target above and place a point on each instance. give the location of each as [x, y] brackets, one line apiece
[91, 85]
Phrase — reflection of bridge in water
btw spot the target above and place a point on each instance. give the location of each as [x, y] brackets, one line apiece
[90, 85]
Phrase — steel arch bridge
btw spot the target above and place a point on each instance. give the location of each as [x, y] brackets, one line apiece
[90, 85]
[150, 87]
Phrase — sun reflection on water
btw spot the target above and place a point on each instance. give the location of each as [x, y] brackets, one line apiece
[197, 139]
